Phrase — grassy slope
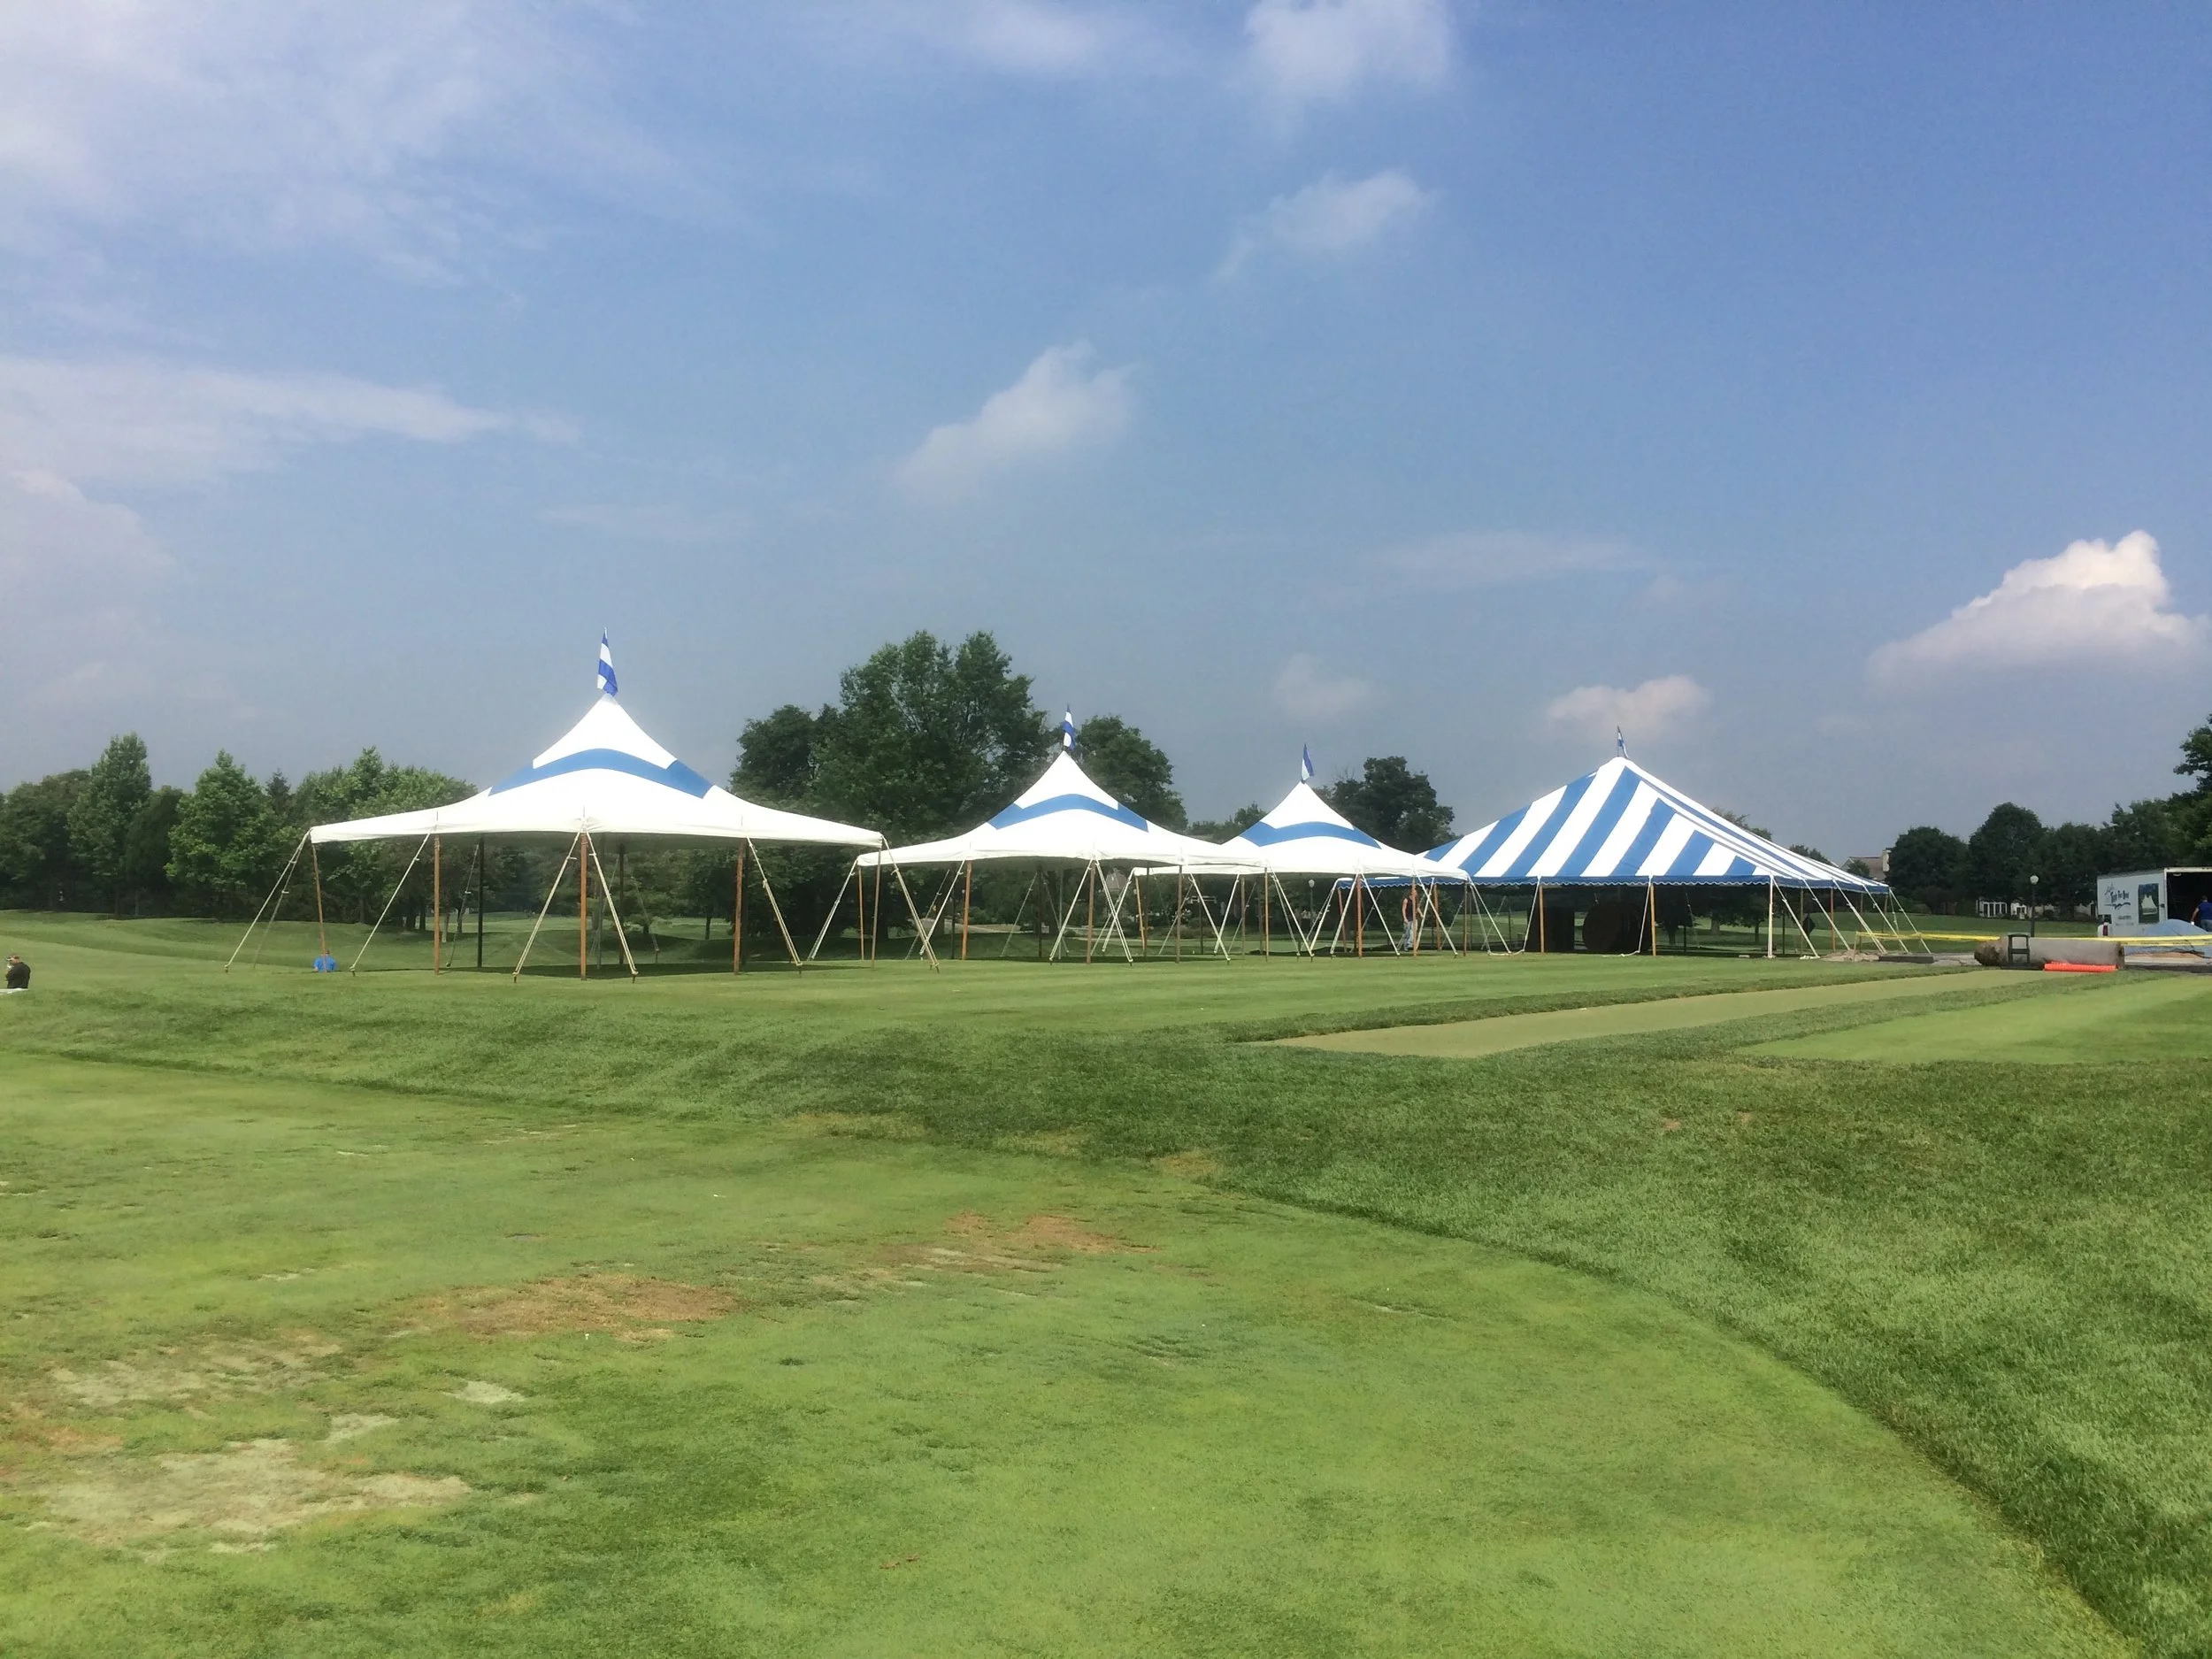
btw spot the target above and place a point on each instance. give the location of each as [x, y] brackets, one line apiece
[2006, 1263]
[1221, 1427]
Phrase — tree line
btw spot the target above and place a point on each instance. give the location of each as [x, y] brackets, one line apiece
[1944, 873]
[924, 739]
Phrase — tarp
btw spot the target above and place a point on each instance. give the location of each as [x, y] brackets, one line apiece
[606, 777]
[1620, 825]
[1064, 818]
[1305, 836]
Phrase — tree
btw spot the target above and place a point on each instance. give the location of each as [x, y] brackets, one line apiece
[100, 818]
[923, 740]
[1804, 851]
[227, 844]
[2070, 860]
[2196, 757]
[2001, 854]
[775, 757]
[146, 845]
[1394, 804]
[1928, 865]
[35, 859]
[1222, 829]
[1131, 768]
[2144, 835]
[1743, 823]
[359, 876]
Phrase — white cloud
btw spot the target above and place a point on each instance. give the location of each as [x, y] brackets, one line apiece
[1305, 690]
[1031, 38]
[2093, 602]
[1332, 215]
[1324, 51]
[280, 123]
[1649, 711]
[1057, 406]
[143, 421]
[1490, 558]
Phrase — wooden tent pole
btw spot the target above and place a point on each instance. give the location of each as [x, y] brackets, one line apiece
[322, 936]
[1543, 942]
[1651, 902]
[737, 914]
[875, 911]
[483, 873]
[967, 898]
[437, 904]
[1144, 942]
[1267, 937]
[583, 906]
[860, 918]
[1090, 909]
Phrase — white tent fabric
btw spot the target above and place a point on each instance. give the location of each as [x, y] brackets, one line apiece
[1621, 825]
[605, 778]
[1066, 819]
[1305, 836]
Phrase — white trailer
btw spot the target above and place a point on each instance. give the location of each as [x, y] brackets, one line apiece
[2144, 898]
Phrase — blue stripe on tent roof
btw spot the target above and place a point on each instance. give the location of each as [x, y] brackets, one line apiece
[1692, 856]
[1632, 861]
[1540, 843]
[1499, 834]
[1609, 814]
[1740, 867]
[1272, 834]
[675, 775]
[1120, 814]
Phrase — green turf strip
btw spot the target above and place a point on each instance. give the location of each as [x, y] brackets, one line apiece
[2137, 1016]
[2008, 1264]
[1165, 1421]
[1467, 1040]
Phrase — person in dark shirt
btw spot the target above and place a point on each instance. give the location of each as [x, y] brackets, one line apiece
[18, 977]
[2203, 918]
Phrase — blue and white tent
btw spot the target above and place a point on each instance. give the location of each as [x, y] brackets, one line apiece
[1621, 827]
[1305, 836]
[1064, 818]
[604, 777]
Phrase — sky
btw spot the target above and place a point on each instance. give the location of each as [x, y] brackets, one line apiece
[1818, 396]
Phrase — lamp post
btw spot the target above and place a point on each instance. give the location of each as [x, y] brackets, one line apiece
[2032, 881]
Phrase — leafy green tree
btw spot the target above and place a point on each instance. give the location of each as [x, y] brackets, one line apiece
[35, 857]
[1928, 865]
[924, 739]
[358, 876]
[2144, 835]
[1394, 804]
[1804, 851]
[2070, 860]
[2002, 854]
[1131, 768]
[775, 757]
[1222, 829]
[2196, 759]
[100, 818]
[226, 845]
[146, 844]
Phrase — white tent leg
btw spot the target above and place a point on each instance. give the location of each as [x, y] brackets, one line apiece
[775, 909]
[832, 914]
[271, 894]
[1114, 928]
[929, 953]
[559, 876]
[606, 897]
[1020, 910]
[1066, 922]
[386, 911]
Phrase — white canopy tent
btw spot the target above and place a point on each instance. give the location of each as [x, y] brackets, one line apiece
[604, 777]
[1305, 836]
[1066, 819]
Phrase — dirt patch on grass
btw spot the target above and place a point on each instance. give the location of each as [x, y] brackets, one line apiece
[173, 1375]
[31, 1429]
[1040, 1235]
[621, 1304]
[244, 1491]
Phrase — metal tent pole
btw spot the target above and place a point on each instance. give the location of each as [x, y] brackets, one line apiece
[386, 911]
[621, 934]
[831, 914]
[543, 910]
[265, 899]
[775, 909]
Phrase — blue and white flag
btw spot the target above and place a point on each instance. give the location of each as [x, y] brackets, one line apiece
[1620, 742]
[1067, 731]
[606, 668]
[1305, 763]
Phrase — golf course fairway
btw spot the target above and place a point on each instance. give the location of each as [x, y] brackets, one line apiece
[296, 1369]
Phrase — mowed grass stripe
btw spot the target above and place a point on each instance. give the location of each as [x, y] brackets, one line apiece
[2138, 1015]
[1469, 1038]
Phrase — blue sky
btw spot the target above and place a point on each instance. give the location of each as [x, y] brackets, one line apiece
[1821, 395]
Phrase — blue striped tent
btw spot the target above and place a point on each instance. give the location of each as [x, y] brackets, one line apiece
[1619, 826]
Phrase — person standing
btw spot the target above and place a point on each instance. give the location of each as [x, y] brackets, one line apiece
[2203, 917]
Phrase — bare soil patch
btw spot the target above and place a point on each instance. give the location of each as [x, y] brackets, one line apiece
[244, 1491]
[215, 1371]
[621, 1304]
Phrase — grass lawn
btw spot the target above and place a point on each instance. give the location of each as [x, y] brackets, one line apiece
[1347, 1399]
